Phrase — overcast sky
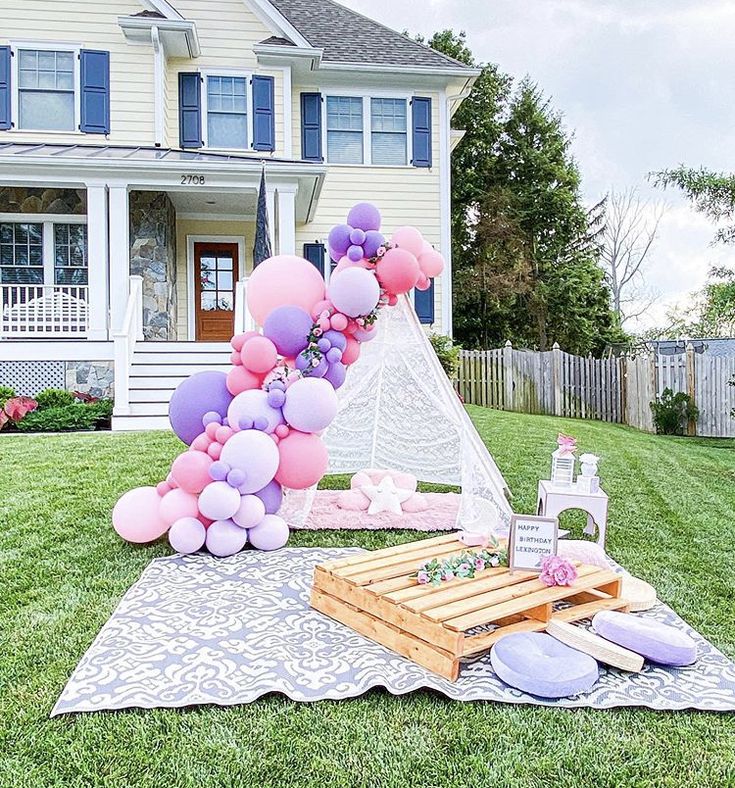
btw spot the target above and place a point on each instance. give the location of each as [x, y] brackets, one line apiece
[643, 84]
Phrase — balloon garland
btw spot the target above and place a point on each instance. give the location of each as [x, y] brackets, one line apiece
[257, 429]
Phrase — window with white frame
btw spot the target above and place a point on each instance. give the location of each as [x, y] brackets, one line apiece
[37, 253]
[46, 90]
[388, 131]
[345, 129]
[227, 111]
[367, 130]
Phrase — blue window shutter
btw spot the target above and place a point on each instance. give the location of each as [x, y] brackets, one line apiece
[5, 120]
[421, 117]
[424, 301]
[311, 127]
[315, 254]
[95, 84]
[190, 110]
[264, 124]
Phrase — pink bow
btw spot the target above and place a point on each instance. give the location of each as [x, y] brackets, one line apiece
[566, 443]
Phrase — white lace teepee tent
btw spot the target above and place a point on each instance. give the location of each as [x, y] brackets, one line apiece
[398, 410]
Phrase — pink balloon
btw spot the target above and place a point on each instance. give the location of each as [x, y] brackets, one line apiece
[259, 355]
[177, 504]
[162, 488]
[365, 334]
[410, 239]
[240, 379]
[271, 533]
[303, 460]
[339, 321]
[423, 282]
[136, 515]
[398, 271]
[345, 262]
[240, 339]
[219, 501]
[187, 535]
[352, 352]
[235, 359]
[250, 513]
[201, 442]
[280, 280]
[191, 471]
[431, 263]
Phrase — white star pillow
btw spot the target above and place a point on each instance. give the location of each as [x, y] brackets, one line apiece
[385, 497]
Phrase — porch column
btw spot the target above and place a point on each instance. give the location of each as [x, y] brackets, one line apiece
[286, 219]
[97, 260]
[119, 253]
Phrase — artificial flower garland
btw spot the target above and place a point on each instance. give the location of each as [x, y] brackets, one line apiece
[466, 564]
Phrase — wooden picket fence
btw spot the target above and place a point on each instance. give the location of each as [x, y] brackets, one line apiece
[617, 389]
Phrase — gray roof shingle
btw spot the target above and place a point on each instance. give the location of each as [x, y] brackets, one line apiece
[349, 37]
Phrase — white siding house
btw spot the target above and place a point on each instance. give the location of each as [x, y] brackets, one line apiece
[133, 136]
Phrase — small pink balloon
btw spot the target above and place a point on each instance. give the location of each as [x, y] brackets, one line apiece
[423, 282]
[211, 430]
[339, 322]
[191, 471]
[240, 339]
[351, 352]
[201, 442]
[259, 355]
[431, 263]
[187, 535]
[240, 379]
[250, 513]
[162, 488]
[177, 504]
[410, 239]
[319, 307]
[136, 516]
[224, 434]
[235, 358]
[214, 450]
[219, 501]
[398, 270]
[282, 430]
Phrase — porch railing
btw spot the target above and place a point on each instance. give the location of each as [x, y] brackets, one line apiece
[243, 318]
[125, 339]
[43, 311]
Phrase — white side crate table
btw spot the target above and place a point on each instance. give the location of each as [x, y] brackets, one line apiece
[552, 500]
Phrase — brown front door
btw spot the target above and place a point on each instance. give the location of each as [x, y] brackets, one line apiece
[215, 273]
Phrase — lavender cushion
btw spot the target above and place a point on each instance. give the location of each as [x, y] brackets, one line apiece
[543, 666]
[658, 642]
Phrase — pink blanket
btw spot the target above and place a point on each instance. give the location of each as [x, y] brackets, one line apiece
[440, 516]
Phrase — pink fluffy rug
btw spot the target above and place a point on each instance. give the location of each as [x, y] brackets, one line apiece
[440, 516]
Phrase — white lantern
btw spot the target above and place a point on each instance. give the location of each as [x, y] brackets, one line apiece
[589, 464]
[562, 468]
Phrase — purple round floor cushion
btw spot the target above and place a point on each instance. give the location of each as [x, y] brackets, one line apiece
[655, 641]
[541, 665]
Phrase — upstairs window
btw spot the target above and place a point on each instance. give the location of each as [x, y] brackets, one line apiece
[46, 97]
[344, 130]
[389, 134]
[227, 112]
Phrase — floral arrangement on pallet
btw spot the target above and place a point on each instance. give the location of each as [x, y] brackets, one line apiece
[466, 564]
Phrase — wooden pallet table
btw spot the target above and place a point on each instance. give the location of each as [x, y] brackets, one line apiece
[436, 626]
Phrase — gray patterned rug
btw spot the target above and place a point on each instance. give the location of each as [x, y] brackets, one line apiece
[198, 630]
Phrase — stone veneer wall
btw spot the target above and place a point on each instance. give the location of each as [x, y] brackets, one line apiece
[19, 199]
[30, 377]
[153, 256]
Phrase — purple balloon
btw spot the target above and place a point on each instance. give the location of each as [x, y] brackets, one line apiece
[362, 335]
[288, 327]
[339, 239]
[336, 374]
[336, 338]
[200, 394]
[354, 291]
[187, 535]
[219, 470]
[211, 418]
[270, 533]
[354, 253]
[306, 365]
[334, 254]
[276, 398]
[373, 241]
[324, 344]
[272, 497]
[224, 538]
[357, 236]
[334, 355]
[365, 216]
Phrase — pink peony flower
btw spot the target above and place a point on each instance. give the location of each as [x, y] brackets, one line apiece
[422, 577]
[556, 571]
[479, 564]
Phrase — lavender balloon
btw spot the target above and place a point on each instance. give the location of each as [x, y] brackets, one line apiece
[354, 291]
[187, 535]
[250, 513]
[288, 327]
[272, 496]
[306, 365]
[365, 216]
[357, 236]
[373, 241]
[251, 405]
[200, 394]
[255, 454]
[336, 374]
[225, 538]
[354, 253]
[336, 339]
[270, 534]
[339, 239]
[311, 405]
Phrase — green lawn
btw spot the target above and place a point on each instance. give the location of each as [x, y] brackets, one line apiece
[63, 571]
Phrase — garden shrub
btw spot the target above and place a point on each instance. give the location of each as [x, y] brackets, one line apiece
[103, 413]
[447, 352]
[671, 412]
[6, 393]
[64, 419]
[54, 398]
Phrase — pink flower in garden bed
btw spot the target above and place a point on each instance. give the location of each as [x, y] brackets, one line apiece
[556, 571]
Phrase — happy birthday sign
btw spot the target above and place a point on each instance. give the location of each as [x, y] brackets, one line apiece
[531, 540]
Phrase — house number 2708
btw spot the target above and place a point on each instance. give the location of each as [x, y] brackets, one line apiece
[192, 180]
